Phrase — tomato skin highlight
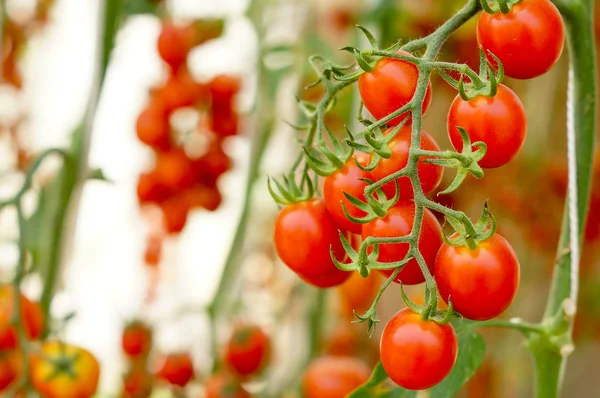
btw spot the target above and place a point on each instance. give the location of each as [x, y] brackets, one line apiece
[430, 175]
[528, 40]
[347, 179]
[481, 283]
[417, 354]
[248, 350]
[399, 222]
[177, 369]
[303, 234]
[499, 121]
[136, 340]
[85, 368]
[389, 87]
[334, 377]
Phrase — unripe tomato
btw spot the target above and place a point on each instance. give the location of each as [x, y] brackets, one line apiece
[223, 385]
[481, 283]
[31, 316]
[248, 350]
[177, 369]
[499, 121]
[417, 354]
[136, 340]
[137, 383]
[430, 175]
[174, 43]
[152, 128]
[174, 169]
[334, 377]
[399, 222]
[389, 87]
[77, 379]
[304, 233]
[528, 40]
[10, 368]
[349, 179]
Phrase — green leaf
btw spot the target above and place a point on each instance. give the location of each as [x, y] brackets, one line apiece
[471, 350]
[380, 386]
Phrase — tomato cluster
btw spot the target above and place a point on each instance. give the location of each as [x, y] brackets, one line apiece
[478, 275]
[185, 176]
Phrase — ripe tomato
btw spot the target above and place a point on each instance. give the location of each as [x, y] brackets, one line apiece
[417, 354]
[347, 179]
[210, 166]
[303, 234]
[152, 128]
[78, 379]
[357, 293]
[334, 377]
[174, 43]
[499, 121]
[222, 89]
[430, 175]
[32, 318]
[137, 383]
[176, 94]
[399, 222]
[389, 87]
[10, 368]
[222, 385]
[205, 197]
[528, 40]
[174, 169]
[136, 340]
[177, 369]
[175, 213]
[248, 350]
[223, 123]
[150, 190]
[481, 283]
[198, 92]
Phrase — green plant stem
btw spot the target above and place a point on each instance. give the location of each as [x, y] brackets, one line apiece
[550, 364]
[316, 322]
[66, 187]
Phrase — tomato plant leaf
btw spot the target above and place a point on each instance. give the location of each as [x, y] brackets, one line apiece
[380, 386]
[471, 350]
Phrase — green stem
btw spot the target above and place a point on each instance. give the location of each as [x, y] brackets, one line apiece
[316, 322]
[550, 364]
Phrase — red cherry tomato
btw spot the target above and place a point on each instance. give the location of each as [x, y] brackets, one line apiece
[223, 385]
[224, 123]
[210, 166]
[417, 354]
[481, 283]
[248, 350]
[31, 316]
[304, 233]
[174, 169]
[389, 87]
[152, 128]
[222, 89]
[79, 379]
[499, 121]
[399, 222]
[176, 94]
[357, 293]
[430, 175]
[10, 368]
[174, 43]
[175, 213]
[136, 340]
[349, 180]
[334, 377]
[177, 369]
[150, 189]
[528, 40]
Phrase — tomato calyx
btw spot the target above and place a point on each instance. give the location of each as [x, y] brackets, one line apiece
[289, 192]
[428, 310]
[465, 162]
[484, 229]
[63, 364]
[323, 160]
[366, 59]
[503, 6]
